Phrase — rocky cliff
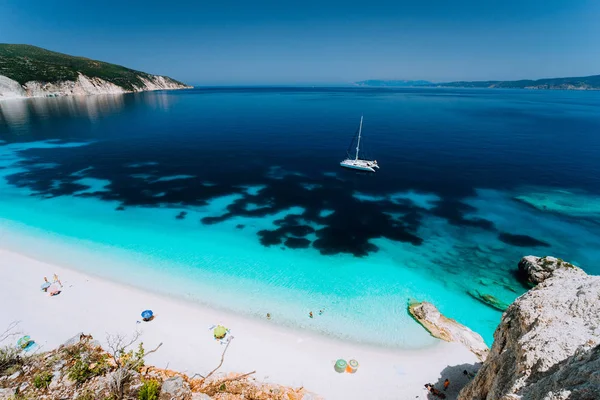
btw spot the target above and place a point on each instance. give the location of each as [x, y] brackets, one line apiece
[84, 85]
[547, 344]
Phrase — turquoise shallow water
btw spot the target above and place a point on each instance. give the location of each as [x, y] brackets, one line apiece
[373, 242]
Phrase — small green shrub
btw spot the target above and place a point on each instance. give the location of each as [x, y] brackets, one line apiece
[86, 395]
[86, 367]
[150, 390]
[42, 380]
[132, 360]
[10, 360]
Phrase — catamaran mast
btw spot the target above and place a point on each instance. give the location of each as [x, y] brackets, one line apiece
[359, 131]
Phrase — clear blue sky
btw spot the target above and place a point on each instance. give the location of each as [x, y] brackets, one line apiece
[287, 41]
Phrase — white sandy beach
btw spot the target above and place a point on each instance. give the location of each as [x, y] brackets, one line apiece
[297, 358]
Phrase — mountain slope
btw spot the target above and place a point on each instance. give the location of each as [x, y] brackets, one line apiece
[39, 72]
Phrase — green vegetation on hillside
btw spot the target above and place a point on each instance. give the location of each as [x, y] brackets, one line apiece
[580, 83]
[24, 63]
[586, 82]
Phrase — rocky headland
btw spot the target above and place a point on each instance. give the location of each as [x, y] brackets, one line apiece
[29, 71]
[547, 345]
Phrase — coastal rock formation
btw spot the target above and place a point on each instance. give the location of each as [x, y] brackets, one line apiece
[577, 378]
[448, 329]
[536, 270]
[84, 85]
[546, 346]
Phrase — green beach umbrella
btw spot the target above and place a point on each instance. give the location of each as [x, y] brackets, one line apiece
[353, 364]
[340, 365]
[219, 332]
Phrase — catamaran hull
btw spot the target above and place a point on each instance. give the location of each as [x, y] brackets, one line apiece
[357, 167]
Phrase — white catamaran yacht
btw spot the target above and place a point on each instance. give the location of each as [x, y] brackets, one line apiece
[357, 163]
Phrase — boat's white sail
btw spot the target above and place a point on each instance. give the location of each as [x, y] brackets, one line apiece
[357, 163]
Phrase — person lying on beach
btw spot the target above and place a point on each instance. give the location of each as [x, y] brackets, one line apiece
[434, 391]
[45, 285]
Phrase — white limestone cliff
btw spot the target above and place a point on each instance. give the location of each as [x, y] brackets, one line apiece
[547, 344]
[10, 89]
[84, 85]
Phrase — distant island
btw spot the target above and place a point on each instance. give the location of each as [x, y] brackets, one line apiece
[578, 83]
[30, 71]
[394, 83]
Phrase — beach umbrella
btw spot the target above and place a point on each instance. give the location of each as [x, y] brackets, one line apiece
[147, 314]
[219, 332]
[54, 289]
[340, 365]
[352, 366]
[24, 341]
[45, 285]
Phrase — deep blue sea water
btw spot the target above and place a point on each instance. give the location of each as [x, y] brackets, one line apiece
[234, 197]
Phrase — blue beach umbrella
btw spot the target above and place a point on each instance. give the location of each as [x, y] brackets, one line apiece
[45, 285]
[147, 314]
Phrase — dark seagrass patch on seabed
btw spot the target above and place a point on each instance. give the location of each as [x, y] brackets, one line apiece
[333, 220]
[521, 240]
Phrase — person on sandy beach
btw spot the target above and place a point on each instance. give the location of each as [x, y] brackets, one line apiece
[57, 280]
[431, 388]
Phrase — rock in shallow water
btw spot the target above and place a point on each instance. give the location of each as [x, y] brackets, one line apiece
[447, 329]
[546, 346]
[488, 299]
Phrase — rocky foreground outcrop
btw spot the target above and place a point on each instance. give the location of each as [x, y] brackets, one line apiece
[547, 346]
[80, 369]
[84, 85]
[448, 329]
